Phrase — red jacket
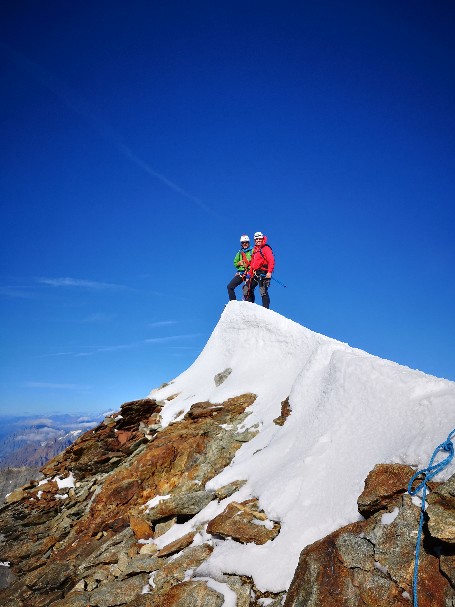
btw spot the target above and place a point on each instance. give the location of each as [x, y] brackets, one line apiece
[262, 258]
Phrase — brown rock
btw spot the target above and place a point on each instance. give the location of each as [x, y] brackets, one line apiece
[383, 485]
[177, 545]
[84, 548]
[191, 594]
[118, 592]
[447, 565]
[175, 570]
[15, 496]
[181, 504]
[73, 599]
[244, 523]
[285, 413]
[370, 563]
[172, 460]
[441, 511]
[140, 527]
[228, 490]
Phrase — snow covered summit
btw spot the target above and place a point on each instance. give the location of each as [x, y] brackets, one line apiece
[349, 410]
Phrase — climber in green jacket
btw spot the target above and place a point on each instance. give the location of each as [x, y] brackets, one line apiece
[241, 263]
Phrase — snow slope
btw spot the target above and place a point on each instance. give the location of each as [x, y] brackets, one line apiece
[350, 411]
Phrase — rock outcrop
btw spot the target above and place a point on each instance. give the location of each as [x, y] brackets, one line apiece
[12, 478]
[123, 519]
[95, 543]
[370, 563]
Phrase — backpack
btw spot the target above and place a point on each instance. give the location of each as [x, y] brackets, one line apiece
[265, 245]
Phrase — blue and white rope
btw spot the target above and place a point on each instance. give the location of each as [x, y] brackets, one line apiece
[427, 474]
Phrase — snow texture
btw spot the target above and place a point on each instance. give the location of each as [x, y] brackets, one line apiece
[350, 411]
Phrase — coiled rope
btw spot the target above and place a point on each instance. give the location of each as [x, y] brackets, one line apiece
[428, 473]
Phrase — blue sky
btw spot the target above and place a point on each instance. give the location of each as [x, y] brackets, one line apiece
[141, 139]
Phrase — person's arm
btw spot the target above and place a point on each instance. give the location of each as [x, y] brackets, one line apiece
[270, 262]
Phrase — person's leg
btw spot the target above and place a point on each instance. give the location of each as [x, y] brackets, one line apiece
[264, 290]
[235, 282]
[248, 290]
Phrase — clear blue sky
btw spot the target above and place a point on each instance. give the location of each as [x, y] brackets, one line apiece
[140, 139]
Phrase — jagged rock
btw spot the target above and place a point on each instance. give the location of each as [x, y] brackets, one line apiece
[108, 595]
[140, 564]
[221, 377]
[148, 549]
[228, 490]
[100, 449]
[242, 589]
[140, 527]
[178, 545]
[73, 599]
[285, 413]
[184, 452]
[162, 528]
[84, 549]
[382, 485]
[175, 569]
[203, 410]
[191, 594]
[370, 563]
[118, 592]
[182, 504]
[15, 496]
[109, 550]
[244, 523]
[441, 511]
[447, 565]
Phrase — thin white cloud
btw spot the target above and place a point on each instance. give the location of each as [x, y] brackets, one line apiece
[31, 421]
[101, 349]
[170, 338]
[78, 283]
[82, 108]
[20, 292]
[161, 323]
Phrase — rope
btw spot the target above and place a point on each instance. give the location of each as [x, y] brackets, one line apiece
[428, 473]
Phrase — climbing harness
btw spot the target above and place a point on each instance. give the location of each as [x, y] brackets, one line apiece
[428, 473]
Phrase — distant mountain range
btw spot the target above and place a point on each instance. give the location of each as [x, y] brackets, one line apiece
[27, 443]
[32, 441]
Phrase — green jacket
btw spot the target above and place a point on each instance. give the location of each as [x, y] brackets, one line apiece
[239, 260]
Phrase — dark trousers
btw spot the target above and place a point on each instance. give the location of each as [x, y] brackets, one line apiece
[264, 284]
[235, 282]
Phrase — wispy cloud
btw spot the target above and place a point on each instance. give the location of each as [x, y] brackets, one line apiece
[93, 350]
[20, 292]
[82, 108]
[170, 338]
[161, 323]
[30, 421]
[101, 349]
[78, 283]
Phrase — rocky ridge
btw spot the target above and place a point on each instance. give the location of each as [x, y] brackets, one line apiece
[98, 542]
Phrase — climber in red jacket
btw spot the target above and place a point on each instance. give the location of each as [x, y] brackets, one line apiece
[262, 265]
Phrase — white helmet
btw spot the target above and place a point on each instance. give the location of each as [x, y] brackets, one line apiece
[258, 235]
[244, 238]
